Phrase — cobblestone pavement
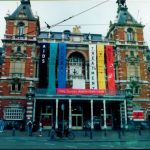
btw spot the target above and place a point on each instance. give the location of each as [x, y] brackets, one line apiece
[88, 136]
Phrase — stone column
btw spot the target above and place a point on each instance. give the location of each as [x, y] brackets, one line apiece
[104, 107]
[29, 112]
[34, 107]
[56, 123]
[125, 113]
[92, 126]
[70, 114]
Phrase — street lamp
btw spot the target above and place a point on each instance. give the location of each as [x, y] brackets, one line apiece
[128, 97]
[30, 96]
[31, 91]
[128, 92]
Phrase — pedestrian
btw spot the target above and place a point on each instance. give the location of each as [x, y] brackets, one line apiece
[66, 129]
[35, 127]
[1, 125]
[29, 128]
[40, 128]
[52, 133]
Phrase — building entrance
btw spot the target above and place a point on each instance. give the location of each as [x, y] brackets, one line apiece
[77, 121]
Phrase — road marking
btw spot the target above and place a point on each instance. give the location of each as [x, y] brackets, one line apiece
[71, 147]
[50, 143]
[84, 143]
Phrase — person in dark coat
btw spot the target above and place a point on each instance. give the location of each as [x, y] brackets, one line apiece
[30, 128]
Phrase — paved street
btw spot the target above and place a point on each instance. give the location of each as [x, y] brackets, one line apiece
[112, 140]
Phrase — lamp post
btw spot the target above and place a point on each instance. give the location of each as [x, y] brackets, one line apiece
[128, 97]
[30, 97]
[63, 108]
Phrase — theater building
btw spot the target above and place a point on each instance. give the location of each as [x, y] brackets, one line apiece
[73, 76]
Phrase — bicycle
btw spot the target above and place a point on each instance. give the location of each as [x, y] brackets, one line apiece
[58, 133]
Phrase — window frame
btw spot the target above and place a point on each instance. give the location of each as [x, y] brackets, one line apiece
[13, 113]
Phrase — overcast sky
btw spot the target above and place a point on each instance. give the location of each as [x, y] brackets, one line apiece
[54, 11]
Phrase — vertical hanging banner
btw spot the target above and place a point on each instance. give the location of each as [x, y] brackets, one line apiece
[110, 70]
[100, 67]
[52, 66]
[92, 66]
[62, 65]
[43, 72]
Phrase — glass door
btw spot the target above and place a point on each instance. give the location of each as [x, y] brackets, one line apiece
[77, 121]
[46, 116]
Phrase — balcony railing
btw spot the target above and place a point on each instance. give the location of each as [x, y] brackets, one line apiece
[134, 78]
[44, 92]
[16, 75]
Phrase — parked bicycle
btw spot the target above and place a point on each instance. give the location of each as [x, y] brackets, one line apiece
[54, 133]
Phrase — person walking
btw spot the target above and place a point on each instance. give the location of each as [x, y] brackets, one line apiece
[29, 128]
[1, 125]
[40, 128]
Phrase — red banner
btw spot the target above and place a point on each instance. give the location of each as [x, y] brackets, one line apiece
[81, 91]
[110, 69]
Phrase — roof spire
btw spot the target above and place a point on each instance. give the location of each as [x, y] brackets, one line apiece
[121, 2]
[25, 2]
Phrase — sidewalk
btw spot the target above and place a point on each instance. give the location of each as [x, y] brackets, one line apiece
[110, 136]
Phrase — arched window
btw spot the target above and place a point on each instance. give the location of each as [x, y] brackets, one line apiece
[21, 30]
[76, 66]
[130, 34]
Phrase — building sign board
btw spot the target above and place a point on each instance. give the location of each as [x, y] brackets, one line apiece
[81, 91]
[138, 115]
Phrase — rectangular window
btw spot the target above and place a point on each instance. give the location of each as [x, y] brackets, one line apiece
[132, 54]
[133, 71]
[21, 32]
[17, 68]
[136, 91]
[16, 87]
[13, 113]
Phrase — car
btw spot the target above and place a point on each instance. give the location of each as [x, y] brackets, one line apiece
[135, 125]
[145, 125]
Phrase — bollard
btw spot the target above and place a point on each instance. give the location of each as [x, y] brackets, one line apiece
[91, 134]
[123, 131]
[13, 131]
[119, 134]
[105, 134]
[85, 133]
[140, 131]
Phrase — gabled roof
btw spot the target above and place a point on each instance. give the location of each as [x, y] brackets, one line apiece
[125, 18]
[23, 12]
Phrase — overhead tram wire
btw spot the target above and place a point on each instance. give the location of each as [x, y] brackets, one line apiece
[48, 26]
[57, 24]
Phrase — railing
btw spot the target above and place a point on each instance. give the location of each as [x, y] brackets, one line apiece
[16, 75]
[134, 78]
[44, 92]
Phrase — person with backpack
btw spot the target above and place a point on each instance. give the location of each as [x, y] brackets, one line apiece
[29, 124]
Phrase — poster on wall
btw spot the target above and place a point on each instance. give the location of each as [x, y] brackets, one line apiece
[43, 64]
[78, 84]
